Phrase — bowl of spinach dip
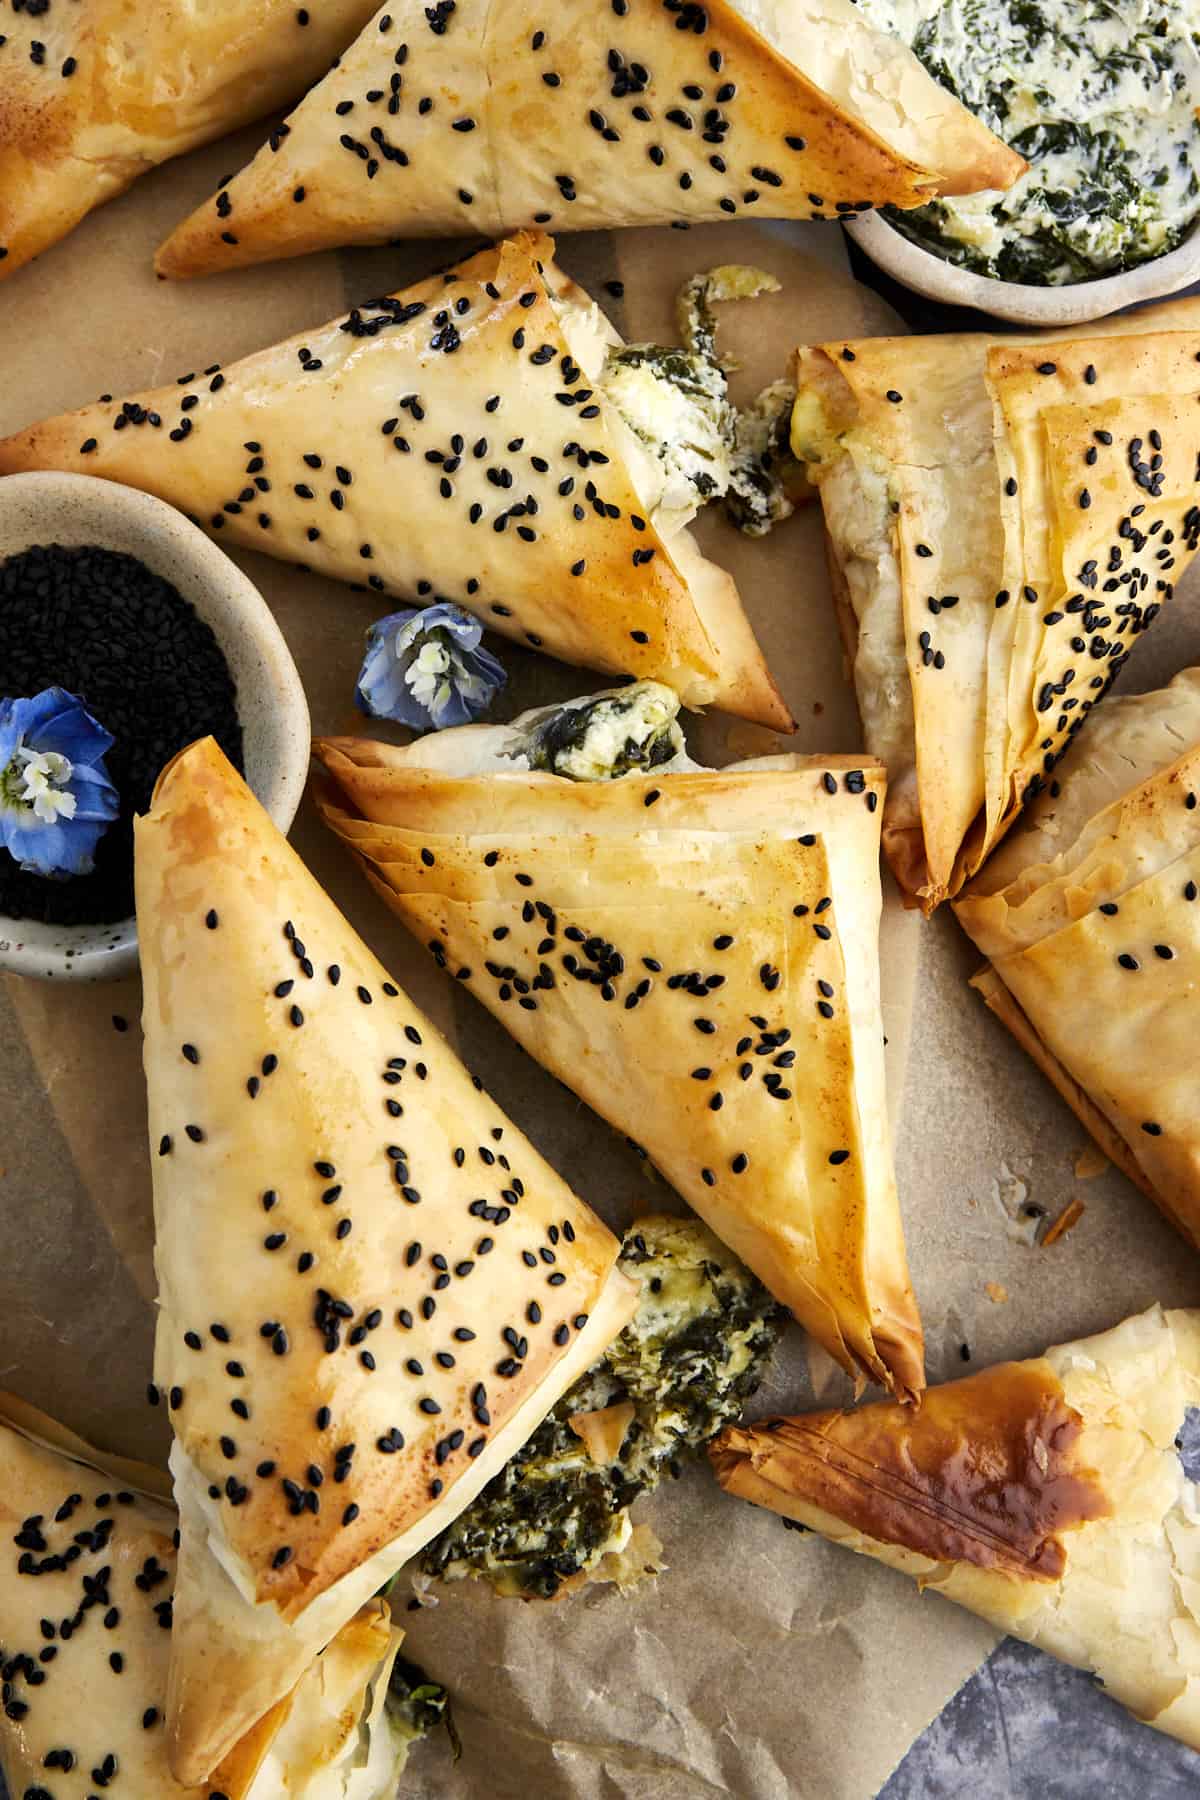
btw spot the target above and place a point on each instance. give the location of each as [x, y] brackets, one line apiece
[1100, 97]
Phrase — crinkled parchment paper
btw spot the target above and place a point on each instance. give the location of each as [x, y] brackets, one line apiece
[762, 1664]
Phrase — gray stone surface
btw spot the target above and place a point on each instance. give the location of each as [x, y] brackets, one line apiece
[1028, 1728]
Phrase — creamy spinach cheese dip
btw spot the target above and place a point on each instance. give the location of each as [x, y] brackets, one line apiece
[1099, 96]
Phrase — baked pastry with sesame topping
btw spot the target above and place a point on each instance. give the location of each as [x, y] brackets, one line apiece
[452, 442]
[462, 118]
[1047, 1496]
[1005, 517]
[85, 1619]
[95, 92]
[1089, 915]
[371, 1286]
[694, 952]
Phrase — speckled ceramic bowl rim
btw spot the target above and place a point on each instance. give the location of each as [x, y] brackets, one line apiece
[1076, 304]
[79, 509]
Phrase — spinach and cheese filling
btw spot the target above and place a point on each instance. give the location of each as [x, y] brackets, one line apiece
[675, 401]
[604, 736]
[766, 478]
[683, 1367]
[1099, 96]
[632, 730]
[677, 404]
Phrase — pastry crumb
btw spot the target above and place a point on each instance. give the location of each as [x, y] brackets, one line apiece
[1069, 1217]
[1090, 1162]
[995, 1292]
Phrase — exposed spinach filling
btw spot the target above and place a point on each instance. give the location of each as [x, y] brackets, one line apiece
[766, 477]
[607, 735]
[676, 402]
[685, 1364]
[1099, 96]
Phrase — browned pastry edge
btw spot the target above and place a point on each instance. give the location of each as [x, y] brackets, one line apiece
[984, 1472]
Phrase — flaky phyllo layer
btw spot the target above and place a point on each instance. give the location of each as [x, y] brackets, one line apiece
[1005, 518]
[1047, 1496]
[1090, 917]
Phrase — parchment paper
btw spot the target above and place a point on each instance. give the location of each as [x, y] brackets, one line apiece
[762, 1664]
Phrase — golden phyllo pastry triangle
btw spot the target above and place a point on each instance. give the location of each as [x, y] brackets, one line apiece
[694, 953]
[86, 1605]
[1047, 1496]
[95, 92]
[466, 117]
[447, 442]
[371, 1287]
[1005, 518]
[1090, 917]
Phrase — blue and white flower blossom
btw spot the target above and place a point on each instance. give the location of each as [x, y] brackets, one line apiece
[427, 669]
[56, 798]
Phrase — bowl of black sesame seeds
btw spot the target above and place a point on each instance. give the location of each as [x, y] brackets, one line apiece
[117, 600]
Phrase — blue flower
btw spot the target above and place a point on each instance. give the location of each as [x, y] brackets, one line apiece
[56, 799]
[427, 670]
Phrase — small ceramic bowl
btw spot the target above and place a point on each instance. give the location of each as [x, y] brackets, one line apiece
[1020, 302]
[78, 509]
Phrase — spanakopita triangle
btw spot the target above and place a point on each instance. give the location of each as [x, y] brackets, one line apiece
[95, 92]
[1006, 517]
[451, 442]
[1089, 917]
[371, 1287]
[1047, 1496]
[693, 952]
[86, 1612]
[468, 118]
